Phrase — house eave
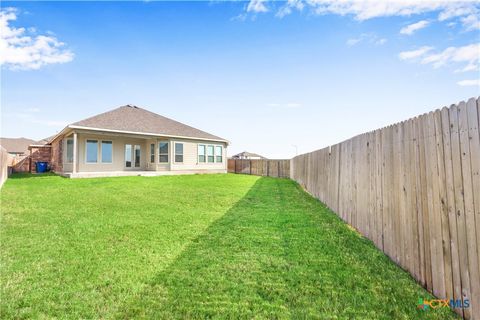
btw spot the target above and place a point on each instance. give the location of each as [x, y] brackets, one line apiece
[142, 133]
[39, 146]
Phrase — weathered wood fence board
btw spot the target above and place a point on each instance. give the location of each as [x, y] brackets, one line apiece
[4, 159]
[271, 168]
[413, 188]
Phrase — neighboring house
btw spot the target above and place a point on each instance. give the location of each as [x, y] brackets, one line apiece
[16, 146]
[18, 153]
[247, 155]
[133, 141]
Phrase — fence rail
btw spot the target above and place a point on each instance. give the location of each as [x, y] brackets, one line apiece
[413, 188]
[271, 168]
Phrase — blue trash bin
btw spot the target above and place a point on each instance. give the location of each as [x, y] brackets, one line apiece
[41, 166]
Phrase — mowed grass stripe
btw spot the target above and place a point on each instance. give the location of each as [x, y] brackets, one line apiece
[212, 246]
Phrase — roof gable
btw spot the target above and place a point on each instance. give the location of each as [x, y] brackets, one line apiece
[138, 120]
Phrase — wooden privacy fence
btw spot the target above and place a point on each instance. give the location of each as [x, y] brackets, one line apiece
[413, 188]
[4, 160]
[271, 168]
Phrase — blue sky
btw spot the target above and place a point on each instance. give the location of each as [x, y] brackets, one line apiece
[267, 76]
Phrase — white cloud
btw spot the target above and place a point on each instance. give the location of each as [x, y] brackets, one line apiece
[352, 42]
[411, 28]
[364, 10]
[257, 6]
[366, 37]
[468, 55]
[287, 8]
[474, 82]
[466, 11]
[35, 110]
[471, 22]
[406, 55]
[22, 49]
[469, 67]
[456, 10]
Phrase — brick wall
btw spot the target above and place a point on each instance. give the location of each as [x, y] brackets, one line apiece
[56, 158]
[40, 154]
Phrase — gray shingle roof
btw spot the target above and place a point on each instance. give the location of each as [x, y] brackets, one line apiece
[135, 119]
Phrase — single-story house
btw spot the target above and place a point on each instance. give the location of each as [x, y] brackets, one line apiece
[248, 155]
[16, 146]
[18, 153]
[133, 141]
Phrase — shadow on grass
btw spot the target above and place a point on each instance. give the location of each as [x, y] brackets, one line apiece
[279, 253]
[28, 175]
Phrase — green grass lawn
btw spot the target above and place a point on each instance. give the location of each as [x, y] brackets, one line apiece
[202, 246]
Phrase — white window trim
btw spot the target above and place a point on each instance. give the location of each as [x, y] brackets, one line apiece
[66, 150]
[125, 158]
[162, 154]
[205, 155]
[150, 154]
[133, 155]
[101, 156]
[215, 153]
[86, 153]
[175, 152]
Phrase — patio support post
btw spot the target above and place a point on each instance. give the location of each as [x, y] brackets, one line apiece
[74, 169]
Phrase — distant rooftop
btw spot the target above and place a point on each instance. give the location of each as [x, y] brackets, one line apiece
[16, 145]
[247, 155]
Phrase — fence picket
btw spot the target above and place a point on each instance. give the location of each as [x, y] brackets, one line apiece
[413, 188]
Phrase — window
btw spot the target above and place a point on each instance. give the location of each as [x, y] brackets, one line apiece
[106, 151]
[92, 151]
[163, 152]
[69, 150]
[201, 153]
[178, 152]
[152, 153]
[218, 154]
[128, 155]
[137, 155]
[210, 156]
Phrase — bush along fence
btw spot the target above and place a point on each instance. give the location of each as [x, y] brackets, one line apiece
[271, 168]
[413, 188]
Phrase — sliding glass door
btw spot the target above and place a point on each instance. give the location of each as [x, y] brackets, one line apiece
[132, 156]
[137, 156]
